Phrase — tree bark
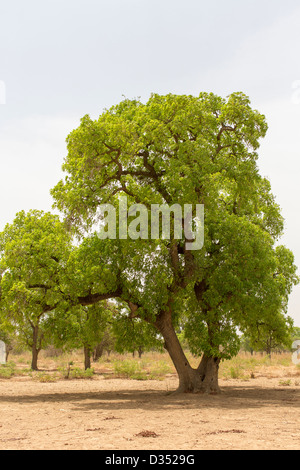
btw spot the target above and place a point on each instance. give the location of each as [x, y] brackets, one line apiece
[201, 380]
[35, 349]
[87, 357]
[8, 349]
[204, 379]
[140, 351]
[104, 344]
[209, 372]
[98, 351]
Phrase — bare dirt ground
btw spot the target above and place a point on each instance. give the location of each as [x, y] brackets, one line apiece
[120, 414]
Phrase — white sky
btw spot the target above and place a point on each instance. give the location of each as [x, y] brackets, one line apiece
[61, 59]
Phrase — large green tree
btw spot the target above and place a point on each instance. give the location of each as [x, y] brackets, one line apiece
[178, 150]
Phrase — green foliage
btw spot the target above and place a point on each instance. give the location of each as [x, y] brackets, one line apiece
[211, 335]
[34, 250]
[7, 370]
[78, 326]
[77, 373]
[295, 335]
[133, 334]
[142, 369]
[172, 149]
[271, 334]
[180, 149]
[129, 369]
[182, 135]
[286, 383]
[70, 372]
[43, 377]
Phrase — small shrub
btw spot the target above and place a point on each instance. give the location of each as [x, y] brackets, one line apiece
[22, 360]
[142, 370]
[65, 370]
[129, 370]
[78, 373]
[285, 382]
[45, 378]
[140, 376]
[7, 370]
[75, 373]
[236, 372]
[160, 369]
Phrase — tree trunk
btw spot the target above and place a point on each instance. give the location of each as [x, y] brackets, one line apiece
[269, 348]
[209, 372]
[87, 358]
[8, 349]
[201, 380]
[98, 351]
[140, 351]
[35, 349]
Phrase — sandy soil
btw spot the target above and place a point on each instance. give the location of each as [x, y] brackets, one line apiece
[118, 414]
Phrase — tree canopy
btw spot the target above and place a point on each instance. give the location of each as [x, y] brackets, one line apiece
[172, 151]
[179, 149]
[34, 252]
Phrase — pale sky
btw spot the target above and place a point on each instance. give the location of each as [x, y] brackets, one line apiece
[62, 59]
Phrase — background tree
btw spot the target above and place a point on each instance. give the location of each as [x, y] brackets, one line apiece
[7, 338]
[135, 335]
[246, 344]
[183, 150]
[107, 344]
[273, 335]
[295, 333]
[34, 252]
[78, 326]
[269, 327]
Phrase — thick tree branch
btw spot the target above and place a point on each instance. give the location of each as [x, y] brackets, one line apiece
[91, 299]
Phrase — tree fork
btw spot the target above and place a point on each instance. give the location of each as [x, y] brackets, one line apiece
[201, 380]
